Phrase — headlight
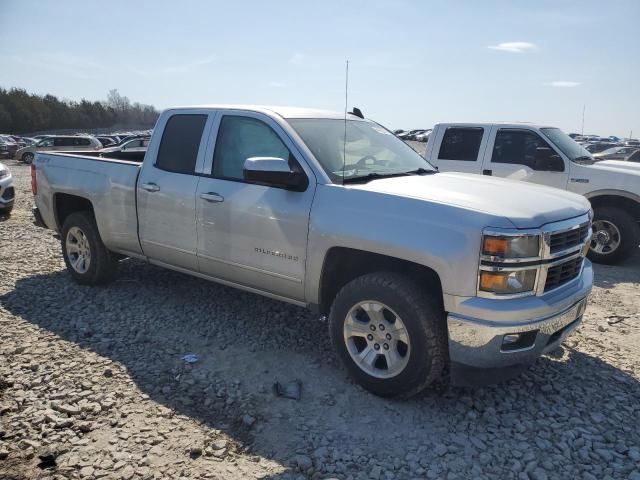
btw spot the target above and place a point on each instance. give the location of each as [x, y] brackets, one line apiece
[521, 246]
[510, 282]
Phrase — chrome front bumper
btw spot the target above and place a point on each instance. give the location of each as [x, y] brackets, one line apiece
[478, 342]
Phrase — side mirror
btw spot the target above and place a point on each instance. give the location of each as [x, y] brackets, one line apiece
[274, 172]
[547, 160]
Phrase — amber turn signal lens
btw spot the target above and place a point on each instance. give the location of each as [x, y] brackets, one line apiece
[493, 282]
[494, 246]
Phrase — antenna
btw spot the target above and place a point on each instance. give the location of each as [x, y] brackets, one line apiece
[346, 101]
[584, 107]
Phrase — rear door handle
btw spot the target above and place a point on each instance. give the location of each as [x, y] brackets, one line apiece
[212, 197]
[150, 187]
[487, 172]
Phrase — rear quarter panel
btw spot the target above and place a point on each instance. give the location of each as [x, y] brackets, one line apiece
[109, 185]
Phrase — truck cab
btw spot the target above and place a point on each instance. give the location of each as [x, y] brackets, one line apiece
[547, 156]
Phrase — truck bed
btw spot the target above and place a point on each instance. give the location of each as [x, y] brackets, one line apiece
[108, 184]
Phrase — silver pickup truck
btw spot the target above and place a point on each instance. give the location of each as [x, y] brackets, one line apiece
[417, 271]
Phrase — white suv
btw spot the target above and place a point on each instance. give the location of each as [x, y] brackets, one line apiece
[60, 144]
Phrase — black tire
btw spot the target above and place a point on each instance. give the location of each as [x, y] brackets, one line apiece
[423, 318]
[27, 157]
[6, 211]
[629, 235]
[102, 265]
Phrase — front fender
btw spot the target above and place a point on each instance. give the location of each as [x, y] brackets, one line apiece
[443, 237]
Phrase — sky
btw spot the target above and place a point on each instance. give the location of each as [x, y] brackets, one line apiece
[411, 63]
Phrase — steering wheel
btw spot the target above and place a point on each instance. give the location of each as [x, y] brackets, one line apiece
[367, 160]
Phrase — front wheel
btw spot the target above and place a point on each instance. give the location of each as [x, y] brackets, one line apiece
[87, 259]
[27, 157]
[389, 333]
[616, 235]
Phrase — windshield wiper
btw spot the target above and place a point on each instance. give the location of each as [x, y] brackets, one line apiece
[422, 171]
[372, 176]
[376, 175]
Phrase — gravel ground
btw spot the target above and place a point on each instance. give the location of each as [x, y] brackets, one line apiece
[93, 385]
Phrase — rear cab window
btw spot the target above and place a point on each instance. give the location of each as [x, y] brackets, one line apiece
[461, 144]
[180, 143]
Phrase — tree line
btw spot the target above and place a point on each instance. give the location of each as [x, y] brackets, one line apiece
[22, 112]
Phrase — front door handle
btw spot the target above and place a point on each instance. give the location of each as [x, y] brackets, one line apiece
[212, 197]
[487, 172]
[150, 187]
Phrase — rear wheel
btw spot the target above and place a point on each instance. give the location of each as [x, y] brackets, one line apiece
[390, 334]
[27, 157]
[616, 235]
[87, 259]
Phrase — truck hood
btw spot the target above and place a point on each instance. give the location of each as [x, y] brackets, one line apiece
[631, 167]
[524, 204]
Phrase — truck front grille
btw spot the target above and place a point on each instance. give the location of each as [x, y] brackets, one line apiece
[565, 272]
[570, 238]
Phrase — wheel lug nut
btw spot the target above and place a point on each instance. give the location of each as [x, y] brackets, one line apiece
[370, 337]
[386, 346]
[372, 328]
[388, 336]
[376, 346]
[381, 327]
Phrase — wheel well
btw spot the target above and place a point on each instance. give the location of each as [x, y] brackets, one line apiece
[342, 265]
[627, 204]
[66, 204]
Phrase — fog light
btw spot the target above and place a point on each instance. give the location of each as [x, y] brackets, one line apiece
[518, 341]
[510, 338]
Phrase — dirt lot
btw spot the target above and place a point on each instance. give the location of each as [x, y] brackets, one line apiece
[93, 385]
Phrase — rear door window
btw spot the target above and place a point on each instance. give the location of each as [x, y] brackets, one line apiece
[461, 143]
[180, 143]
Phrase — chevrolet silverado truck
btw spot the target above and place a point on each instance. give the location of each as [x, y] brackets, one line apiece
[415, 270]
[547, 156]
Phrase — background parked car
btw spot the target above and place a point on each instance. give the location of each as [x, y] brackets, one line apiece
[599, 147]
[106, 141]
[632, 142]
[634, 157]
[411, 134]
[423, 137]
[615, 153]
[59, 143]
[8, 147]
[136, 145]
[7, 192]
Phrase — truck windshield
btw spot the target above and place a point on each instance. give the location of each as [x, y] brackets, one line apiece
[371, 151]
[567, 145]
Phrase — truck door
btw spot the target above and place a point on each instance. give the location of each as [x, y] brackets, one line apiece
[522, 154]
[166, 191]
[252, 235]
[459, 148]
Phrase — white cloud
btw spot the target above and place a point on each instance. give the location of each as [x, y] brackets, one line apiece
[514, 47]
[563, 84]
[189, 66]
[275, 84]
[297, 58]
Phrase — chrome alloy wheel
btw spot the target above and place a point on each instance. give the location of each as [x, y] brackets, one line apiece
[377, 339]
[606, 237]
[78, 250]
